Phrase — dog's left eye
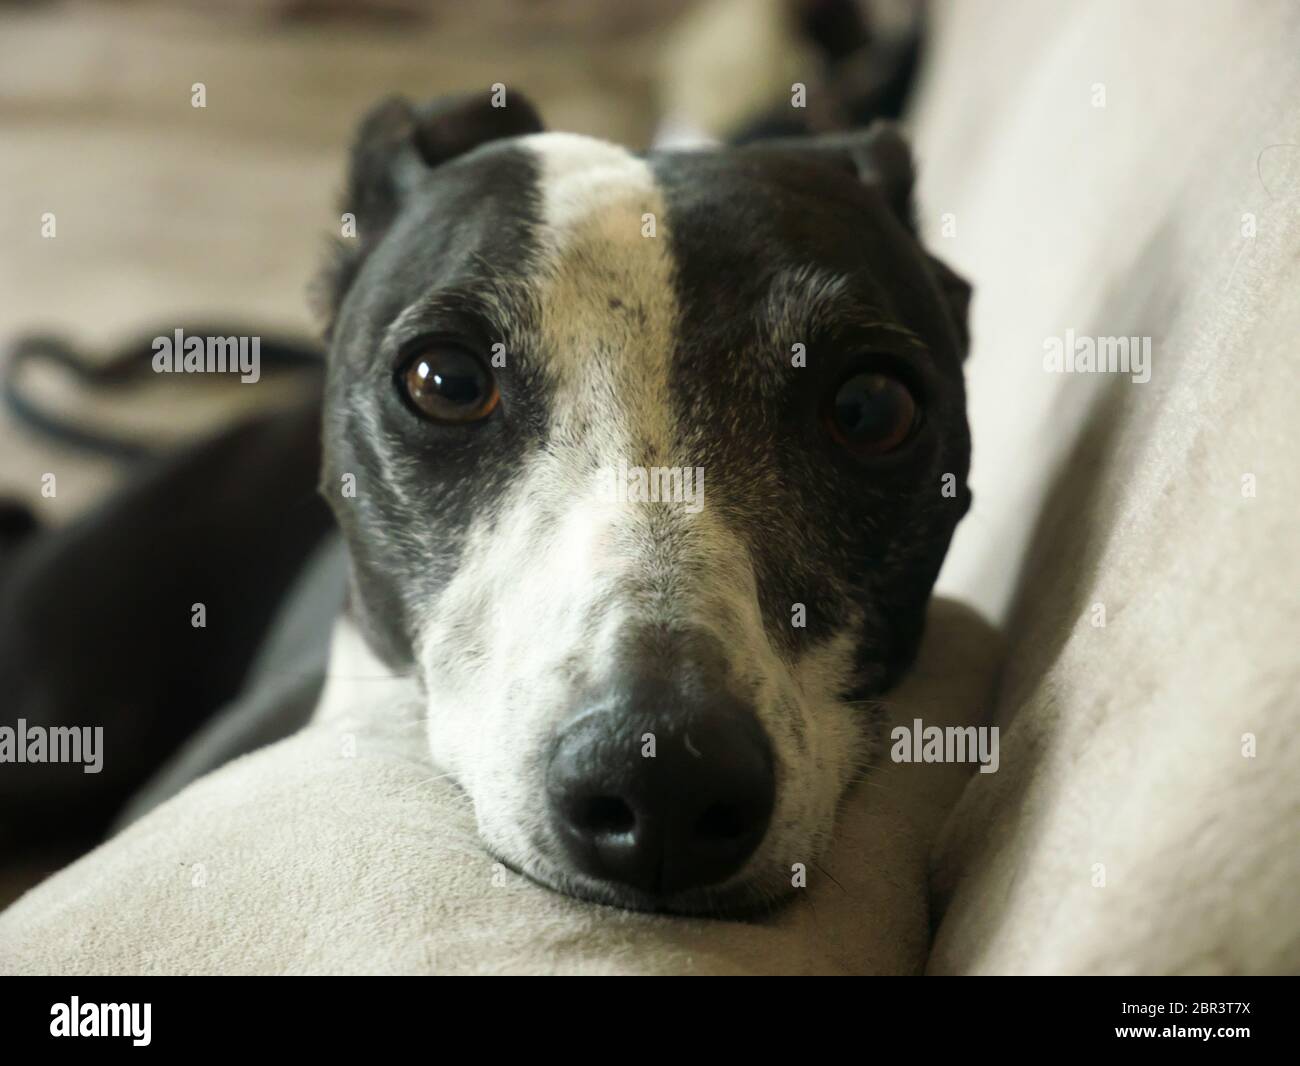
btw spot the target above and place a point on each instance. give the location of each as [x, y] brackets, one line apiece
[448, 384]
[871, 414]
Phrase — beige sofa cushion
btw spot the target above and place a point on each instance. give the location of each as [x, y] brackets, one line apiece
[303, 859]
[1172, 212]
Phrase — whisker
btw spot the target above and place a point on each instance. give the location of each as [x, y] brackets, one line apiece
[831, 877]
[419, 784]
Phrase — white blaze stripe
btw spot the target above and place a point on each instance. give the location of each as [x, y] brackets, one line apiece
[595, 197]
[540, 596]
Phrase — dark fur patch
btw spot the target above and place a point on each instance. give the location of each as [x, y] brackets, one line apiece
[823, 530]
[467, 232]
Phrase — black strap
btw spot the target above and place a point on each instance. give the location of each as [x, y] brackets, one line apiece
[132, 362]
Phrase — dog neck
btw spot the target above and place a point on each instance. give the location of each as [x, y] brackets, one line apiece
[357, 680]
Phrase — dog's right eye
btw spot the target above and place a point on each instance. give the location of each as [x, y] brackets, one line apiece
[871, 414]
[447, 384]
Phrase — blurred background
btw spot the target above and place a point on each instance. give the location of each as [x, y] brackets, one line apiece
[165, 211]
[169, 213]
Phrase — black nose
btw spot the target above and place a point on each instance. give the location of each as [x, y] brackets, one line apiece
[665, 799]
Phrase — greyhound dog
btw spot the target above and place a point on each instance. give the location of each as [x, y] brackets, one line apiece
[646, 467]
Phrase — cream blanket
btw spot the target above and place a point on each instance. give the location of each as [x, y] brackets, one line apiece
[1128, 170]
[340, 850]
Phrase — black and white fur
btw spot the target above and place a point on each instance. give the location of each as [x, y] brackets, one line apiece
[488, 567]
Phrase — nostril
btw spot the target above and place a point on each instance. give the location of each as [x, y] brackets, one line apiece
[691, 815]
[604, 816]
[721, 822]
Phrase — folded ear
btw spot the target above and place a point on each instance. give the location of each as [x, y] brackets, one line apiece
[880, 157]
[396, 142]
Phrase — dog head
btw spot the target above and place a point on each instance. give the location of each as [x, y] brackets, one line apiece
[655, 461]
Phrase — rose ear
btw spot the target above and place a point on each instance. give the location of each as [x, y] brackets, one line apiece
[395, 144]
[883, 159]
[880, 157]
[397, 140]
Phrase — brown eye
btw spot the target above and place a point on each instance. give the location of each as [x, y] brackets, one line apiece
[871, 414]
[449, 384]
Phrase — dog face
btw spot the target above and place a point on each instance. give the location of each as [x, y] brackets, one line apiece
[656, 460]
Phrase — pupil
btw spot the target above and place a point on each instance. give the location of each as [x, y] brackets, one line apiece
[867, 408]
[455, 380]
[456, 388]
